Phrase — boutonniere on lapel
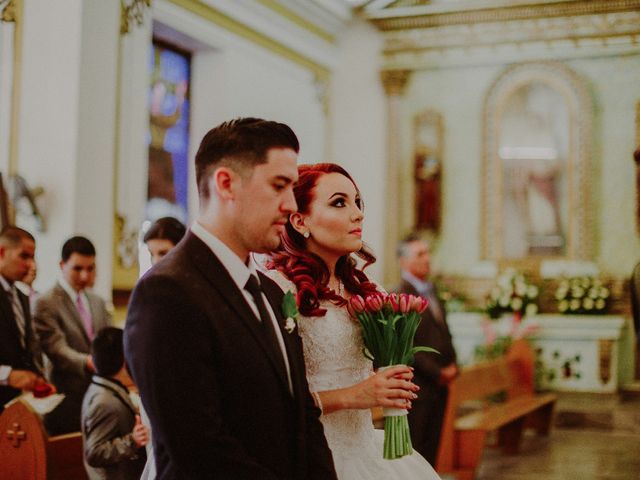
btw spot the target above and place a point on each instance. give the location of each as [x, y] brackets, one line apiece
[289, 311]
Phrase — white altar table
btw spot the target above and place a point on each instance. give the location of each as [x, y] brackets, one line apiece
[587, 353]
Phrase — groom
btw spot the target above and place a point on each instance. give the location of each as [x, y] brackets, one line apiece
[222, 382]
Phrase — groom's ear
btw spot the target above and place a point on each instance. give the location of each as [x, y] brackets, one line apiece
[297, 222]
[221, 182]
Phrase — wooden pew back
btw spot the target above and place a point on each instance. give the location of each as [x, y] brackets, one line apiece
[512, 374]
[27, 452]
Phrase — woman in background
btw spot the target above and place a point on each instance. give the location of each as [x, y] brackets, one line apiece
[162, 236]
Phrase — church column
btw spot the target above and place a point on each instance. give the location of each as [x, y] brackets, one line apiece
[394, 82]
[67, 125]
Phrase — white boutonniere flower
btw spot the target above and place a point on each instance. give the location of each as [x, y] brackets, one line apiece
[289, 311]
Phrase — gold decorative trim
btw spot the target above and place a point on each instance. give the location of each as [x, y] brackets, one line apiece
[503, 14]
[575, 29]
[579, 235]
[14, 10]
[298, 20]
[216, 17]
[394, 81]
[8, 13]
[133, 12]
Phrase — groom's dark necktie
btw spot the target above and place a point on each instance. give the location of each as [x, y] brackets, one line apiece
[253, 287]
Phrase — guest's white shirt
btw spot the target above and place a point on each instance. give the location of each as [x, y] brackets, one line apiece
[239, 272]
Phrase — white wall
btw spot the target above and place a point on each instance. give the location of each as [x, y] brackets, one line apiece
[358, 127]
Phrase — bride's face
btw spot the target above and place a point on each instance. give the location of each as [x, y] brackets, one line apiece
[334, 220]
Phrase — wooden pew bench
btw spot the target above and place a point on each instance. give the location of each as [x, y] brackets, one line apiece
[27, 452]
[464, 436]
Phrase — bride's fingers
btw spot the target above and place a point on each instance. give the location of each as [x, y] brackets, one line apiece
[397, 370]
[405, 385]
[397, 394]
[404, 376]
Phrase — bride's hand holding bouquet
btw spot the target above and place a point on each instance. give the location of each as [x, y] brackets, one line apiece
[390, 388]
[389, 323]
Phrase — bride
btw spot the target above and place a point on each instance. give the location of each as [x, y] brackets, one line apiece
[315, 262]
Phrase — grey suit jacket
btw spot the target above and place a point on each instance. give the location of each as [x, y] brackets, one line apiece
[64, 339]
[108, 418]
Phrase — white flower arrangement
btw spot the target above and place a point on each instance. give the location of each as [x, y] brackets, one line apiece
[582, 295]
[512, 293]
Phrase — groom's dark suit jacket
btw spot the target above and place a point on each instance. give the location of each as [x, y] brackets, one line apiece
[219, 405]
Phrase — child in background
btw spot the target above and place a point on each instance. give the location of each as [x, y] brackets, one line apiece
[112, 432]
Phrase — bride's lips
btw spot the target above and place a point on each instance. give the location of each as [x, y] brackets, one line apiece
[356, 231]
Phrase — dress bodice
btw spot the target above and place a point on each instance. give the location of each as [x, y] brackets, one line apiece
[333, 354]
[334, 358]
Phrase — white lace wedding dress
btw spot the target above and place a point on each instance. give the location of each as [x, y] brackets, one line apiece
[334, 359]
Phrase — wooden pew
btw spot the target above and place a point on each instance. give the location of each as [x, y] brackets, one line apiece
[464, 437]
[26, 452]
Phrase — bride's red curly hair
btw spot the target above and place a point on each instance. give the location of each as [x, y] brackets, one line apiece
[308, 271]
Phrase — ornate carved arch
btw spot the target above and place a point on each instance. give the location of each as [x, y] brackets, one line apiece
[560, 78]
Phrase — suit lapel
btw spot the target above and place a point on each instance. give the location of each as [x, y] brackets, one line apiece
[71, 312]
[8, 315]
[273, 294]
[217, 275]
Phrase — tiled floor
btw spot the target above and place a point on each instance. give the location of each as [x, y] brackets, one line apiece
[595, 438]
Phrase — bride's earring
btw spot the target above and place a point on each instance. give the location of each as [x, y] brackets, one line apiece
[306, 234]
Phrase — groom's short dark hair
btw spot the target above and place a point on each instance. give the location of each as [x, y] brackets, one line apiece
[243, 142]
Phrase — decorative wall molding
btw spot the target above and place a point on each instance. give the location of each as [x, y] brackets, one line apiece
[418, 16]
[394, 81]
[420, 35]
[7, 11]
[547, 30]
[132, 13]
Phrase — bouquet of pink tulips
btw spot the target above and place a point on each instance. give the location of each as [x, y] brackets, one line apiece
[389, 323]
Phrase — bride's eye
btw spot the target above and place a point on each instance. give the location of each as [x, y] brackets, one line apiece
[338, 202]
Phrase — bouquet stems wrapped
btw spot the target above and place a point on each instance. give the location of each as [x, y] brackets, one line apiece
[389, 324]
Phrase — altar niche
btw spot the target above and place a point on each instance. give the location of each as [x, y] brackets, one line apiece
[536, 165]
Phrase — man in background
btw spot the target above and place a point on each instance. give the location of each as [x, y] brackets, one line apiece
[67, 317]
[20, 356]
[433, 372]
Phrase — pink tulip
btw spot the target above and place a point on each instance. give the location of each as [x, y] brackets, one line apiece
[393, 301]
[419, 304]
[357, 304]
[406, 302]
[374, 303]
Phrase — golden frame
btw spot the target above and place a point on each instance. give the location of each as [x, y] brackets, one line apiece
[579, 236]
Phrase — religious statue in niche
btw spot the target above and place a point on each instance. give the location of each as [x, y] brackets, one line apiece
[428, 171]
[533, 151]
